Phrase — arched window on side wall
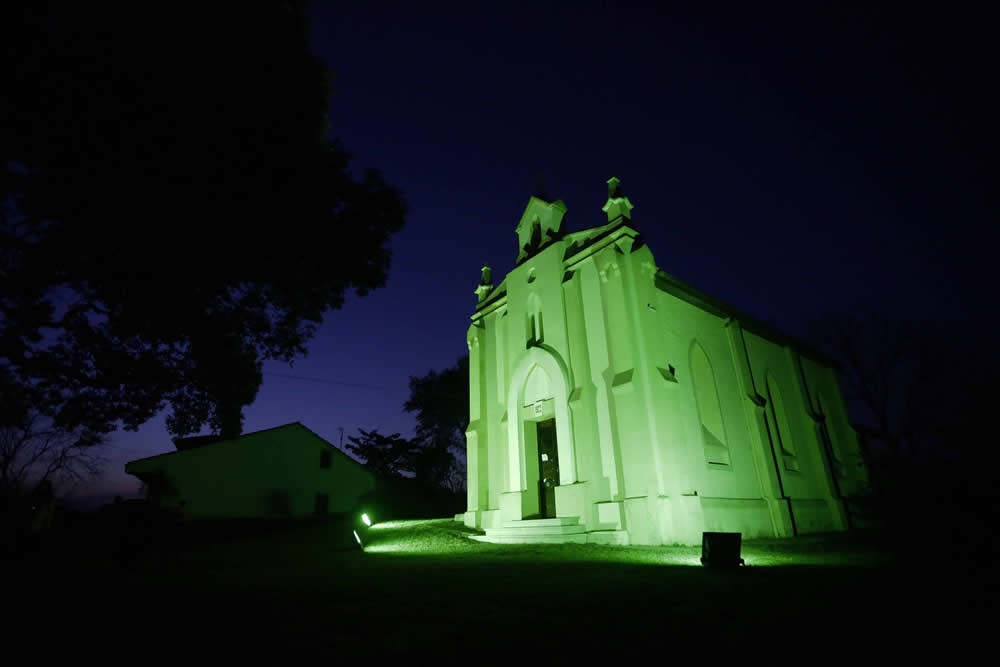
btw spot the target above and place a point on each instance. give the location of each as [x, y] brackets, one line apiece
[837, 457]
[713, 432]
[784, 444]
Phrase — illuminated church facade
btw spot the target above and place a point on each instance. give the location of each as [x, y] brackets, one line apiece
[612, 403]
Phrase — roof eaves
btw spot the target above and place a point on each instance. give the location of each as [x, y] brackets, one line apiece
[685, 292]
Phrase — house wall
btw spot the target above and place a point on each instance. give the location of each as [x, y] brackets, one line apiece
[619, 349]
[343, 482]
[269, 474]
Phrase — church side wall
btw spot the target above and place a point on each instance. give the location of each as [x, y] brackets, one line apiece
[670, 511]
[826, 399]
[806, 478]
[684, 325]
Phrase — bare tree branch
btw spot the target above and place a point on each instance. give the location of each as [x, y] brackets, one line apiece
[889, 375]
[37, 450]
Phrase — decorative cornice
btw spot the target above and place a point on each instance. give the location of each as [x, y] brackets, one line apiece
[596, 244]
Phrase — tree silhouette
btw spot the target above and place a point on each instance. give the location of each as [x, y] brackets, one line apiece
[384, 454]
[35, 451]
[922, 397]
[891, 376]
[441, 403]
[173, 213]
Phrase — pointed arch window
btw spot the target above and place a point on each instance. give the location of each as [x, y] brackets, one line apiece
[784, 443]
[534, 330]
[836, 456]
[713, 431]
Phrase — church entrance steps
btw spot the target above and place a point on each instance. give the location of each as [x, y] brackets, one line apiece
[577, 538]
[568, 525]
[532, 523]
[559, 530]
[537, 530]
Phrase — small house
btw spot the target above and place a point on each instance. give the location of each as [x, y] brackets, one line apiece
[282, 472]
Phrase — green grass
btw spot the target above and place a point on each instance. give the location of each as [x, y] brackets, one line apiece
[423, 589]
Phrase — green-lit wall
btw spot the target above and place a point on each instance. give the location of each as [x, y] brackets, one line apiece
[267, 474]
[589, 332]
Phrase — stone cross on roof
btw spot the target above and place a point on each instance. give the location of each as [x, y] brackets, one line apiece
[618, 205]
[485, 286]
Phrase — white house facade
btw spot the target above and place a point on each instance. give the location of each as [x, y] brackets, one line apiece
[282, 472]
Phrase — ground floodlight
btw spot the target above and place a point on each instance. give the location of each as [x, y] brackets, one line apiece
[721, 549]
[364, 517]
[358, 538]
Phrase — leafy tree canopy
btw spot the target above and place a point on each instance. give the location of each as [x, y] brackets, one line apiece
[173, 213]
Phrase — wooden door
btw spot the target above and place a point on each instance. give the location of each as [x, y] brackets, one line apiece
[548, 468]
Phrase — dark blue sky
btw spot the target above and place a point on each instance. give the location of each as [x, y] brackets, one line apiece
[793, 161]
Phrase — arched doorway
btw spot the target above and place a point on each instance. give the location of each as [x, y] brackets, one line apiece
[540, 441]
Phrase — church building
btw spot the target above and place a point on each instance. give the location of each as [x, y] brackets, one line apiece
[612, 403]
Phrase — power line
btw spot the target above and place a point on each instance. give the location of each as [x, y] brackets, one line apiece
[324, 381]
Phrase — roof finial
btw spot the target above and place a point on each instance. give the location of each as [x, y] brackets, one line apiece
[618, 205]
[485, 286]
[614, 187]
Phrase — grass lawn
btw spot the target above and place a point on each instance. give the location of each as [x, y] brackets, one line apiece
[423, 590]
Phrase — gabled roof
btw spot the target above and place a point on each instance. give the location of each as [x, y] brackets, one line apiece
[578, 245]
[208, 440]
[540, 226]
[195, 441]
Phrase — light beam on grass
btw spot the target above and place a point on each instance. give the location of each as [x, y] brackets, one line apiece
[434, 537]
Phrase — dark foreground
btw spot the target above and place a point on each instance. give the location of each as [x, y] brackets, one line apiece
[423, 590]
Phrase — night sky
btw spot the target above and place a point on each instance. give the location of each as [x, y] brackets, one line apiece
[789, 162]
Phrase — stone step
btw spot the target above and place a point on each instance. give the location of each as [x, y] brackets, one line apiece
[556, 521]
[537, 530]
[574, 538]
[608, 537]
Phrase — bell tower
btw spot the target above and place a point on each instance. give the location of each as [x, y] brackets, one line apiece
[541, 224]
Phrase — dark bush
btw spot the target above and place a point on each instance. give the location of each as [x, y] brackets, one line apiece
[407, 498]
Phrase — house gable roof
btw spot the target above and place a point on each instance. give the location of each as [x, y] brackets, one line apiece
[208, 440]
